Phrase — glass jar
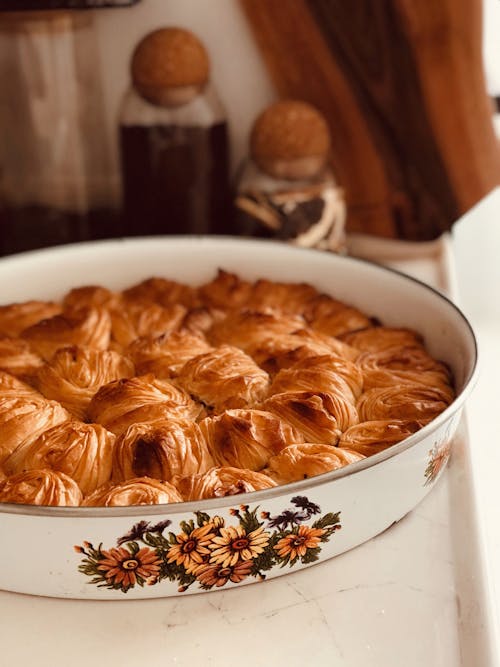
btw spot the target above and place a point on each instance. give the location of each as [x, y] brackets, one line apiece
[286, 189]
[174, 145]
[54, 155]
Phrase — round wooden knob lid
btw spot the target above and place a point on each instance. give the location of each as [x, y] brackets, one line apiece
[170, 66]
[290, 139]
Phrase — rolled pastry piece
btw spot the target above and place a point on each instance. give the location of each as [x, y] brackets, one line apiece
[16, 317]
[403, 401]
[401, 365]
[75, 374]
[302, 461]
[90, 296]
[371, 437]
[17, 358]
[161, 449]
[135, 319]
[121, 403]
[221, 482]
[201, 319]
[224, 378]
[89, 327]
[324, 373]
[165, 355]
[377, 338]
[248, 328]
[24, 418]
[162, 291]
[40, 487]
[335, 318]
[282, 351]
[137, 491]
[319, 417]
[81, 451]
[226, 291]
[287, 298]
[246, 438]
[14, 387]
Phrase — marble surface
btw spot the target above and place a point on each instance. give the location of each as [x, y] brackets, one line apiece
[419, 594]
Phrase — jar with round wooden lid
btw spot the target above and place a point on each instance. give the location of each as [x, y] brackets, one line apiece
[285, 188]
[174, 140]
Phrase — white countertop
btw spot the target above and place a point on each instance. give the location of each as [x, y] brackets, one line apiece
[422, 593]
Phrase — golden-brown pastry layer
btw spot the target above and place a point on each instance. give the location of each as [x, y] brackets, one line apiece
[161, 449]
[306, 460]
[221, 482]
[164, 392]
[40, 487]
[81, 451]
[224, 378]
[247, 438]
[119, 404]
[138, 491]
[75, 374]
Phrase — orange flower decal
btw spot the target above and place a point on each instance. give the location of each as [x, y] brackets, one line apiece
[208, 553]
[191, 549]
[439, 456]
[217, 575]
[297, 543]
[234, 544]
[123, 568]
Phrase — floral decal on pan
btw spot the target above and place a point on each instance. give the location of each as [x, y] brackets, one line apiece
[438, 458]
[207, 551]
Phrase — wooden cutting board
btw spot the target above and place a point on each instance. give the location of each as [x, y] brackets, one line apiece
[402, 86]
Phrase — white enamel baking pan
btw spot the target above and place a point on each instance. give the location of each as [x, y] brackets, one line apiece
[143, 551]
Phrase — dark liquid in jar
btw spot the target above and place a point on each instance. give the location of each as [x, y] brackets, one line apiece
[175, 180]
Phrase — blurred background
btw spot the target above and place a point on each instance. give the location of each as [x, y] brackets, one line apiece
[409, 92]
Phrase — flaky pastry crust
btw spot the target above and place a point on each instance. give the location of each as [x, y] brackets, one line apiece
[81, 451]
[24, 418]
[371, 437]
[322, 373]
[165, 355]
[16, 317]
[378, 338]
[224, 378]
[163, 292]
[89, 327]
[246, 438]
[221, 482]
[207, 388]
[306, 460]
[273, 353]
[90, 296]
[248, 328]
[40, 487]
[12, 386]
[75, 374]
[404, 401]
[401, 365]
[286, 298]
[161, 449]
[226, 291]
[138, 491]
[319, 417]
[17, 358]
[335, 318]
[133, 320]
[119, 404]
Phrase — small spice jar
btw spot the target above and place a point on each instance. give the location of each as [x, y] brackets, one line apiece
[286, 189]
[174, 140]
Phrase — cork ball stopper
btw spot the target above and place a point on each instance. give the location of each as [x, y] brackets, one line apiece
[169, 65]
[290, 139]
